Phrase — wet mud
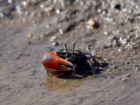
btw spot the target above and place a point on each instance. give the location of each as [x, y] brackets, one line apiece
[31, 28]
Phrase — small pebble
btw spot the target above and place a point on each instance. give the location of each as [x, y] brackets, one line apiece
[53, 38]
[105, 32]
[136, 68]
[19, 10]
[58, 11]
[91, 22]
[24, 3]
[42, 36]
[65, 81]
[55, 44]
[30, 35]
[61, 31]
[49, 10]
[10, 1]
[124, 79]
[120, 50]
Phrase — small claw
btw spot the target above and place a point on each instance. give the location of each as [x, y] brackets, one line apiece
[73, 70]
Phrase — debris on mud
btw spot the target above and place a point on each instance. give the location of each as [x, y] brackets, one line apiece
[137, 68]
[55, 44]
[30, 35]
[92, 23]
[125, 77]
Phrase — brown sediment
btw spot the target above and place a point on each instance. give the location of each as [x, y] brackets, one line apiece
[58, 84]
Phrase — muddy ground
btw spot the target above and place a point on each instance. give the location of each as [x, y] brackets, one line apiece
[30, 28]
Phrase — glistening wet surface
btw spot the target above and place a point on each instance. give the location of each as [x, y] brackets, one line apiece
[54, 83]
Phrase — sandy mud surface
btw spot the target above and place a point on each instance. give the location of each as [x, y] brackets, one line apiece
[30, 28]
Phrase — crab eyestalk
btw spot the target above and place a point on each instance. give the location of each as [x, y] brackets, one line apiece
[89, 48]
[74, 43]
[66, 48]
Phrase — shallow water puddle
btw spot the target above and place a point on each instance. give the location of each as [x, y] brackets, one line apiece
[59, 84]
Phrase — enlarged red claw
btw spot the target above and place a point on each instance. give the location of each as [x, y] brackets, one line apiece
[52, 61]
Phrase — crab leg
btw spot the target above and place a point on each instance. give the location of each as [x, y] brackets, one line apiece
[93, 71]
[47, 71]
[101, 59]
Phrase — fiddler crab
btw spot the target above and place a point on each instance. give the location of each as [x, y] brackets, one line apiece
[72, 61]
